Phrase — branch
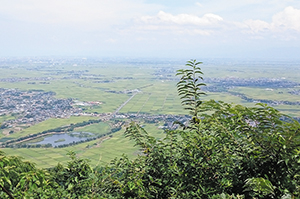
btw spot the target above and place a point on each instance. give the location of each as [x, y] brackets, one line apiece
[7, 192]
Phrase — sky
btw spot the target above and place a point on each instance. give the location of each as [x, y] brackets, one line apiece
[250, 29]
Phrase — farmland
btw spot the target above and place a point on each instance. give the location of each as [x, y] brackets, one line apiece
[99, 87]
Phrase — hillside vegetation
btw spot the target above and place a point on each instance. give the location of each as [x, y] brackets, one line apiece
[225, 151]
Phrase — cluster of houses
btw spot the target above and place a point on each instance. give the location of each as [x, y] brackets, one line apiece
[21, 79]
[294, 92]
[30, 107]
[168, 120]
[252, 82]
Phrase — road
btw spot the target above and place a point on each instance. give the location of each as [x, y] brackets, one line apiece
[120, 107]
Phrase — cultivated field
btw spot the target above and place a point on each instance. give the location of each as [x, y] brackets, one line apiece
[154, 85]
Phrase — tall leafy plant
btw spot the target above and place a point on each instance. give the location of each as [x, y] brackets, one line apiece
[189, 87]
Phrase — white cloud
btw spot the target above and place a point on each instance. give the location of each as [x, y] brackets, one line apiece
[285, 25]
[100, 14]
[179, 24]
[182, 19]
[73, 12]
[198, 4]
[256, 26]
[289, 18]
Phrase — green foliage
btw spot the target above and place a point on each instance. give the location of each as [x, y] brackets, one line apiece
[260, 186]
[234, 151]
[75, 178]
[264, 145]
[22, 179]
[189, 87]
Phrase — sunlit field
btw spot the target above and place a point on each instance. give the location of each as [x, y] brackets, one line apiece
[154, 90]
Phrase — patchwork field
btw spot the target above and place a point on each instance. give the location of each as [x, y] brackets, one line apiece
[154, 88]
[99, 152]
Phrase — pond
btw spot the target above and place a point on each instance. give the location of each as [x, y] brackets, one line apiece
[65, 138]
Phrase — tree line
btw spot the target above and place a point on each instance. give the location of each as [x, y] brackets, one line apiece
[61, 129]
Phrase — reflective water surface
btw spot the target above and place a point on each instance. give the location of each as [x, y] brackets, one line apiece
[65, 138]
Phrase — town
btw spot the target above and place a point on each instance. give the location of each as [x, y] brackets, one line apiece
[31, 107]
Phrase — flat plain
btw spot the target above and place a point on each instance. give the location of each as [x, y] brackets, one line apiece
[153, 84]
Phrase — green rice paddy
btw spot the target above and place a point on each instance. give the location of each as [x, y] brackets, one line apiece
[110, 84]
[99, 152]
